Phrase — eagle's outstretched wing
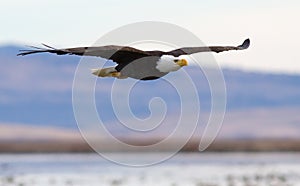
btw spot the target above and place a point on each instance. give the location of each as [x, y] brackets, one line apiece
[119, 54]
[192, 50]
[125, 54]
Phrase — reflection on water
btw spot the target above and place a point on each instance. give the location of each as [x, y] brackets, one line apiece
[199, 169]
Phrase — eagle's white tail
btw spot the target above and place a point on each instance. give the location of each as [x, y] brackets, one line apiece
[107, 72]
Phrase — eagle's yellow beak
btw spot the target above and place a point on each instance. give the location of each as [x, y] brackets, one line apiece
[182, 62]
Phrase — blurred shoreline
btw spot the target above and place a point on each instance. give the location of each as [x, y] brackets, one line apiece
[221, 145]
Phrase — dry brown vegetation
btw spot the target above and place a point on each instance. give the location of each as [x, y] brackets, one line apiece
[228, 145]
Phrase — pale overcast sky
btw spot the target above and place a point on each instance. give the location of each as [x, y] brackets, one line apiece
[272, 25]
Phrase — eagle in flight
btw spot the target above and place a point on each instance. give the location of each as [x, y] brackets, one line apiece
[135, 63]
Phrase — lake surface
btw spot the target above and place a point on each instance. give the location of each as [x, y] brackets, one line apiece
[195, 169]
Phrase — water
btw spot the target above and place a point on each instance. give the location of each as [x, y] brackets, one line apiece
[195, 169]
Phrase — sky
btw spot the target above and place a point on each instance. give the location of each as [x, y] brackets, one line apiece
[272, 25]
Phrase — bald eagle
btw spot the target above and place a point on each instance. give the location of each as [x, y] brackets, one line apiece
[135, 63]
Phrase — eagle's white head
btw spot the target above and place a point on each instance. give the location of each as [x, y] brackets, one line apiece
[169, 63]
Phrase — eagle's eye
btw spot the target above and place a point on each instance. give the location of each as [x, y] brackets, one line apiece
[176, 60]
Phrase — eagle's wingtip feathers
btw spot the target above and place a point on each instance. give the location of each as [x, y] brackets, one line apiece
[245, 44]
[23, 53]
[36, 50]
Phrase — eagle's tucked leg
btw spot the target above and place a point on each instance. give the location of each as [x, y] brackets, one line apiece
[108, 72]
